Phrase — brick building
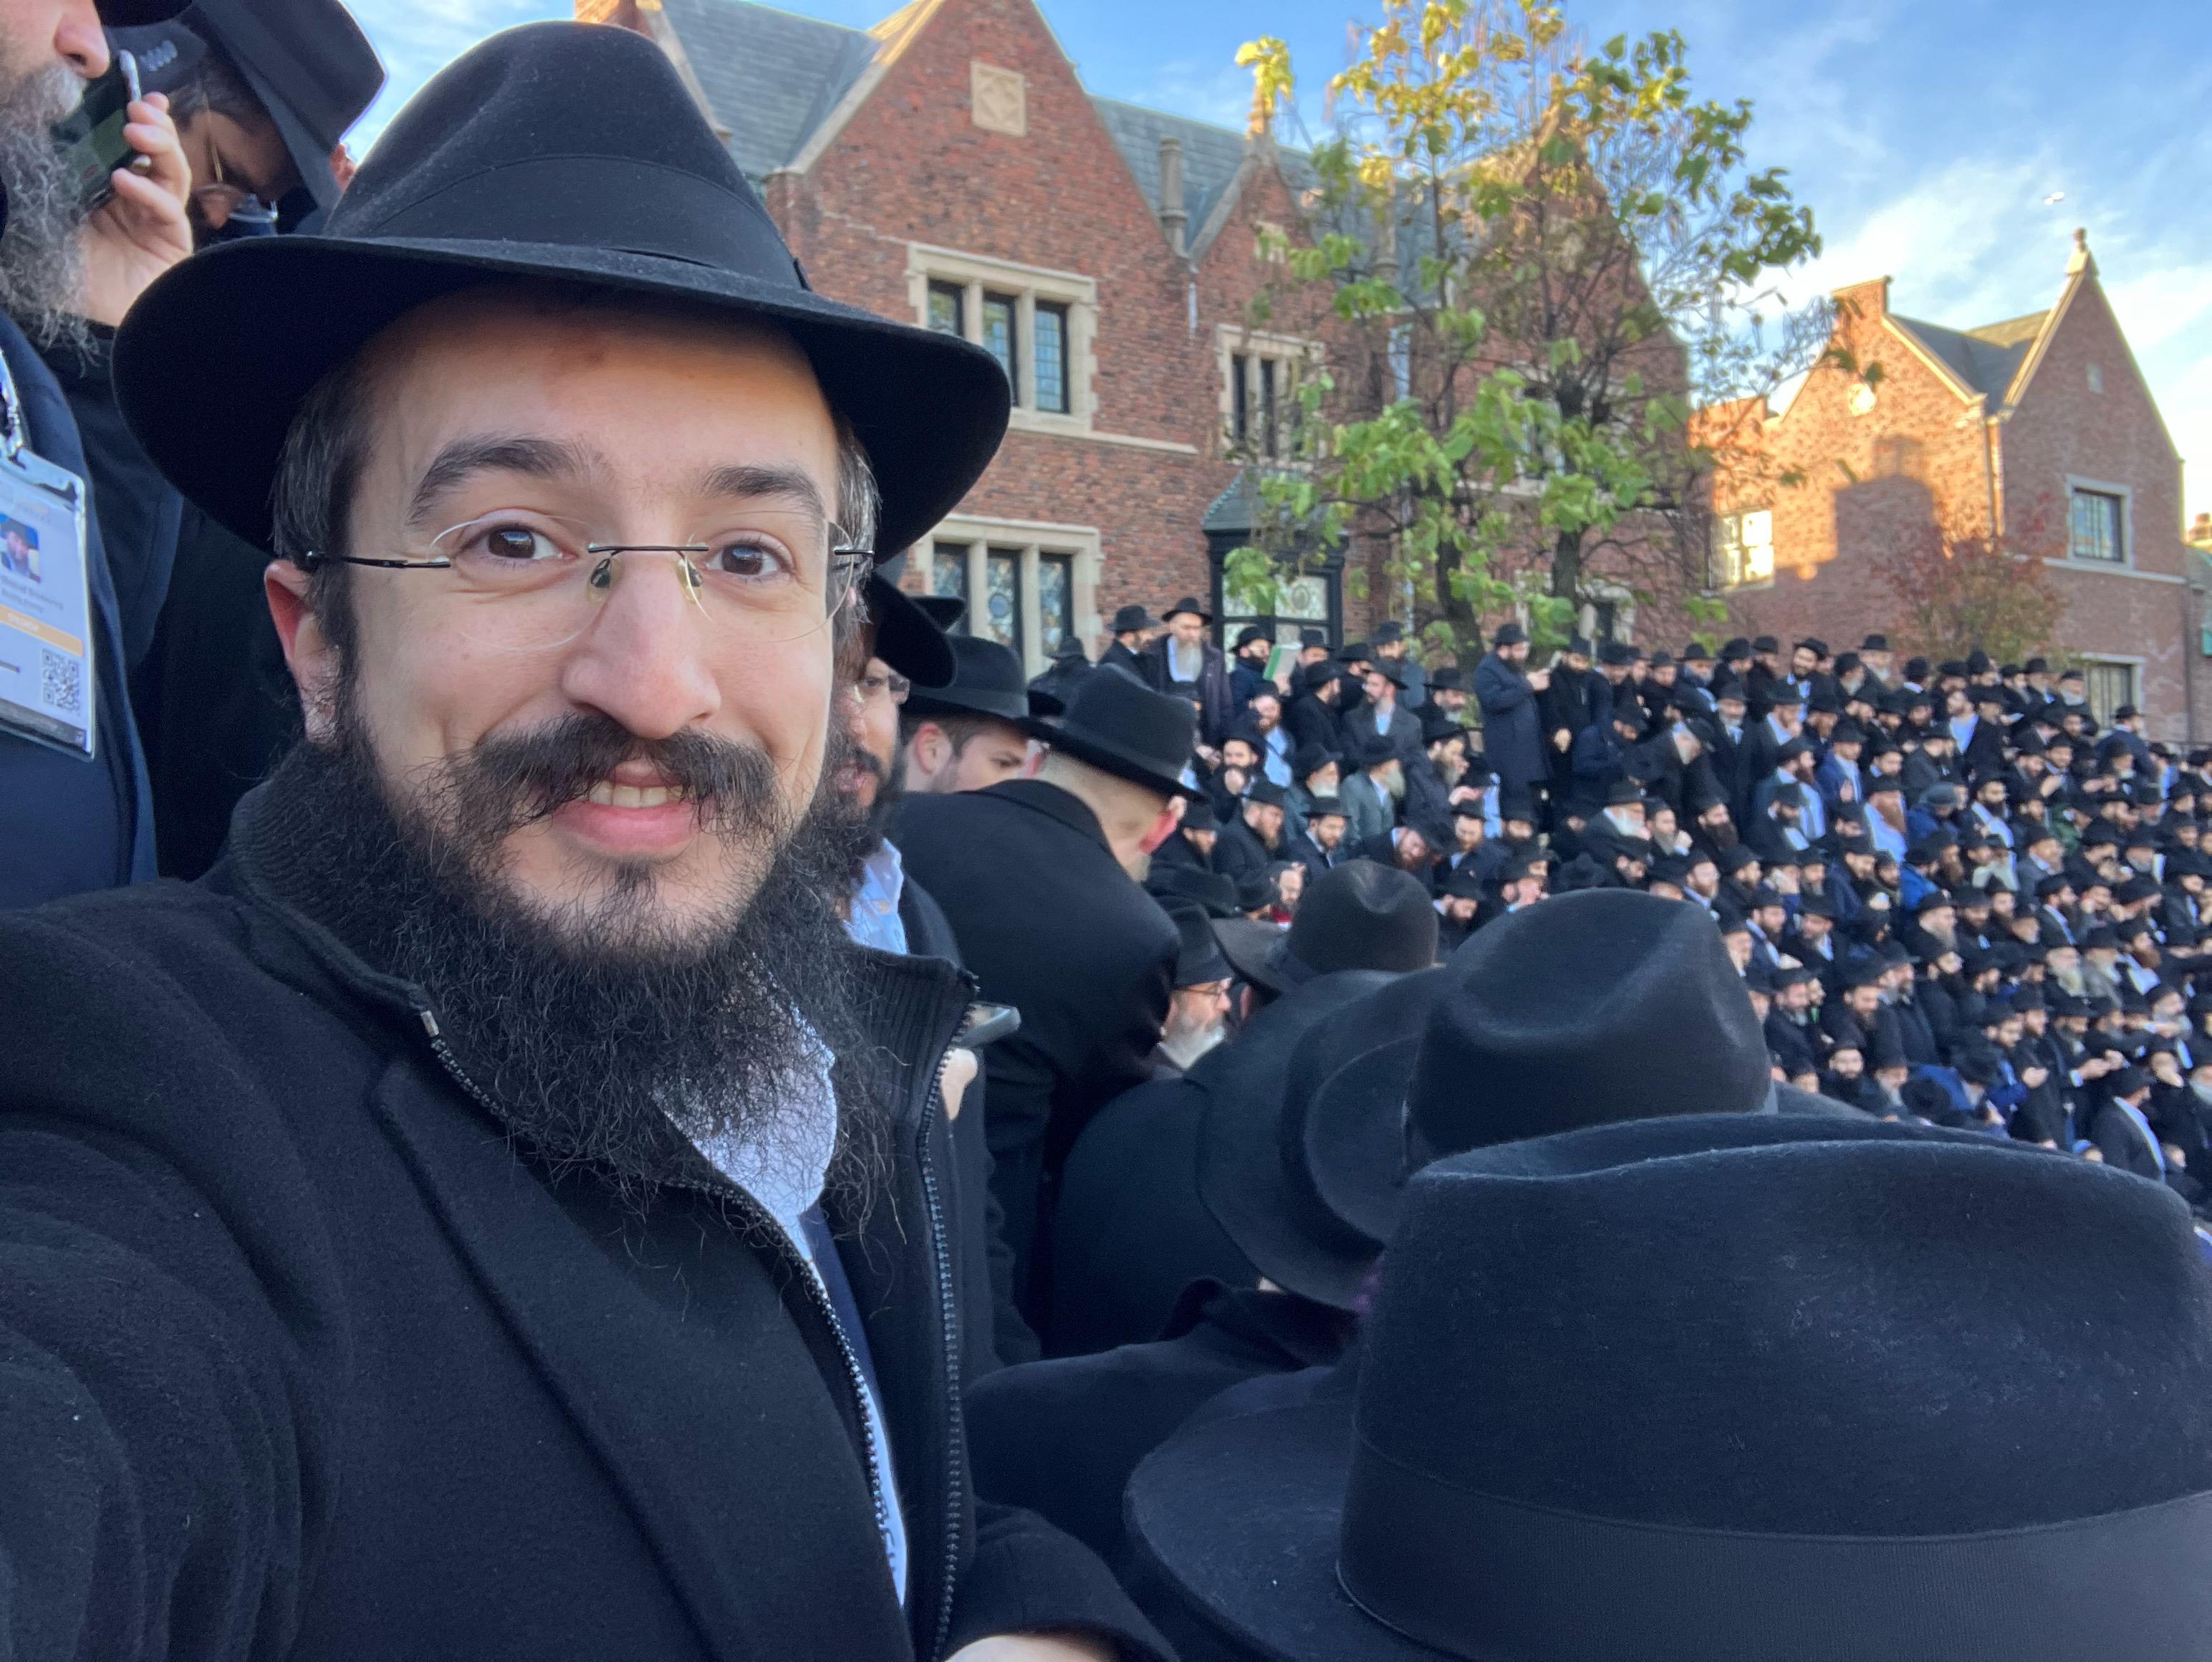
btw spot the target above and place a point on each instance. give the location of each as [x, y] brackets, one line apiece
[2043, 419]
[947, 166]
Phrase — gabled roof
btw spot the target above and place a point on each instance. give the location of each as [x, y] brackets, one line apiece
[772, 79]
[1984, 360]
[1211, 155]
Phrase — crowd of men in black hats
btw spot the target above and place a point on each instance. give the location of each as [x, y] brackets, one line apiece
[1951, 892]
[685, 1108]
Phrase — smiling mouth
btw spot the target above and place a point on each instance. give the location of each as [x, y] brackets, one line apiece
[608, 795]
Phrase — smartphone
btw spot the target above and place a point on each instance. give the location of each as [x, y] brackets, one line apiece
[90, 137]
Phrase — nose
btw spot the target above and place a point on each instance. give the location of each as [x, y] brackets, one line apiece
[648, 656]
[79, 41]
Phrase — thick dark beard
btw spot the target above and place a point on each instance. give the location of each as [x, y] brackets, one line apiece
[601, 1032]
[41, 259]
[864, 829]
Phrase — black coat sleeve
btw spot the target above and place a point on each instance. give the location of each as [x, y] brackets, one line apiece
[158, 1487]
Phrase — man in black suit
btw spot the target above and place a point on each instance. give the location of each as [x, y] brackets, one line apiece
[1320, 847]
[1035, 876]
[1134, 629]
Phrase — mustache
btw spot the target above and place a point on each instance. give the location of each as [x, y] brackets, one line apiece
[510, 780]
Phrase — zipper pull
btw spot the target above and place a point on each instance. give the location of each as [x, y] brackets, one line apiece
[429, 1021]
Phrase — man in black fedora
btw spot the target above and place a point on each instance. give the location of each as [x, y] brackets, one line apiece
[974, 732]
[1234, 1175]
[75, 810]
[1184, 661]
[500, 1209]
[1134, 629]
[1198, 1008]
[1832, 1455]
[1390, 645]
[264, 92]
[1025, 871]
[1512, 725]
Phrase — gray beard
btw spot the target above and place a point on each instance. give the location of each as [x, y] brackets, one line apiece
[1184, 1048]
[42, 262]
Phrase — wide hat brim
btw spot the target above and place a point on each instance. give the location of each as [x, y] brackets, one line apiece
[215, 358]
[1104, 753]
[1240, 1519]
[1242, 1177]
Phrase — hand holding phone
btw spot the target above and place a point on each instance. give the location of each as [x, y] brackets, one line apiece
[124, 151]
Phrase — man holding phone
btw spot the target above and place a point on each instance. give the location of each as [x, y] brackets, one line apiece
[74, 805]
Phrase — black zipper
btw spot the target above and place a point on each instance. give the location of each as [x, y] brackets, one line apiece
[949, 1309]
[757, 1215]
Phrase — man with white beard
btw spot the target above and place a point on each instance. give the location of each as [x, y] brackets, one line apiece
[75, 812]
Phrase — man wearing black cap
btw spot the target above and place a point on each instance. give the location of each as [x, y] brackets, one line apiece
[1247, 672]
[1512, 725]
[1198, 1008]
[263, 91]
[1320, 847]
[1567, 707]
[518, 1021]
[1184, 661]
[1412, 680]
[1383, 716]
[1026, 870]
[976, 732]
[1134, 629]
[1253, 840]
[75, 812]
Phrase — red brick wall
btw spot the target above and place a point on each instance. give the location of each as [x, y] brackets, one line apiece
[912, 165]
[2062, 428]
[1925, 453]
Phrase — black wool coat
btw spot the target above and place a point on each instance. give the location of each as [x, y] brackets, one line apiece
[1048, 922]
[1060, 1438]
[306, 1356]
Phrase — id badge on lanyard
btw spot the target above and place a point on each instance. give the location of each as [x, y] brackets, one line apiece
[47, 686]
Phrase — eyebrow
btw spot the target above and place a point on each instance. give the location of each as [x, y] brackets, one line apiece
[751, 481]
[463, 459]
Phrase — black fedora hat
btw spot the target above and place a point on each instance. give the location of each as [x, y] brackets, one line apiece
[1360, 916]
[1605, 1004]
[947, 610]
[905, 634]
[1703, 1390]
[309, 65]
[1188, 603]
[560, 153]
[987, 680]
[1262, 1166]
[1115, 722]
[1131, 618]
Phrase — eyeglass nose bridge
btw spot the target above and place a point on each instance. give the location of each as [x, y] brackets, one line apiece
[601, 581]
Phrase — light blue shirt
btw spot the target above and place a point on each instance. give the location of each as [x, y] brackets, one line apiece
[874, 919]
[1275, 758]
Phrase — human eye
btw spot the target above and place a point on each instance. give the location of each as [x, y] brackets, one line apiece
[509, 542]
[750, 556]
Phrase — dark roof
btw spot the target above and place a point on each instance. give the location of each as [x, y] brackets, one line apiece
[1986, 359]
[771, 77]
[1211, 155]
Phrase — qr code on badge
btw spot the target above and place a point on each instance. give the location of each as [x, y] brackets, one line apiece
[61, 683]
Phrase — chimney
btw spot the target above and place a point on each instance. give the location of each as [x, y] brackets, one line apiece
[1173, 219]
[2200, 533]
[1869, 300]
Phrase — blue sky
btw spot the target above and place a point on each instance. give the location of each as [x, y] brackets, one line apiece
[1926, 136]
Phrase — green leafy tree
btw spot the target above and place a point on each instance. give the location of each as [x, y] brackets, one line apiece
[1538, 256]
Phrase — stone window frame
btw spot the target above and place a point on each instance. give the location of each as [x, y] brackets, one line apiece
[2078, 485]
[1035, 538]
[2133, 666]
[980, 274]
[1303, 352]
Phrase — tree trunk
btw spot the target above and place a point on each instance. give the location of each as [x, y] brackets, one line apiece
[1567, 567]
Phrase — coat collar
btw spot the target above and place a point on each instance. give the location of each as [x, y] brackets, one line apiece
[1055, 804]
